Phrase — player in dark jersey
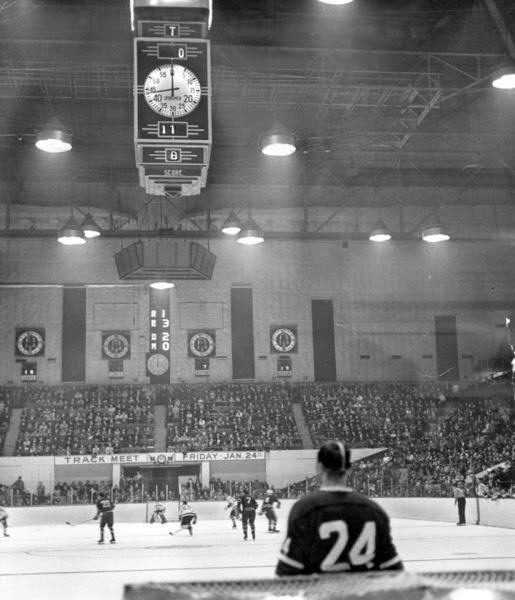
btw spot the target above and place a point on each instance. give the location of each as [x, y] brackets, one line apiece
[335, 528]
[105, 510]
[268, 510]
[247, 506]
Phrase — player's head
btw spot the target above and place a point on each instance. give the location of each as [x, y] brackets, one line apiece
[185, 502]
[101, 494]
[333, 459]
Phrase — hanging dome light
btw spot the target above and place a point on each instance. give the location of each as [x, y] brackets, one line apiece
[162, 285]
[251, 234]
[503, 78]
[434, 233]
[278, 141]
[90, 227]
[54, 138]
[232, 224]
[71, 233]
[336, 2]
[379, 232]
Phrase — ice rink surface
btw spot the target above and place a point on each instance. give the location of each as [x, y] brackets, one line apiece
[62, 562]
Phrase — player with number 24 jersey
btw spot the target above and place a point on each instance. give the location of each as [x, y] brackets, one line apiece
[336, 529]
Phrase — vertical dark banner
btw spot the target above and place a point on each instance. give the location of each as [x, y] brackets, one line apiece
[74, 334]
[242, 333]
[446, 342]
[324, 358]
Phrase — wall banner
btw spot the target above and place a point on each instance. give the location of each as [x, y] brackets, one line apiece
[202, 343]
[283, 339]
[116, 344]
[229, 455]
[29, 341]
[156, 458]
[117, 459]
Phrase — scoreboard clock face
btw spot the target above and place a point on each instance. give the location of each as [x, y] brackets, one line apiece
[284, 339]
[29, 342]
[201, 344]
[172, 90]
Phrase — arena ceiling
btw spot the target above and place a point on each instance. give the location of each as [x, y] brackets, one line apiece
[391, 103]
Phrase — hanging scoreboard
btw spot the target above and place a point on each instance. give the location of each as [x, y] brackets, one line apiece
[172, 95]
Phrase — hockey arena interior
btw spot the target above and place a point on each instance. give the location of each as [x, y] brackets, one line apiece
[257, 299]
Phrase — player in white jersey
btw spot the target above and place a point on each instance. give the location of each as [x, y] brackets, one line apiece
[187, 517]
[234, 514]
[3, 520]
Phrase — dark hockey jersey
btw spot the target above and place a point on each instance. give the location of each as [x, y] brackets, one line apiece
[337, 529]
[105, 505]
[269, 500]
[247, 503]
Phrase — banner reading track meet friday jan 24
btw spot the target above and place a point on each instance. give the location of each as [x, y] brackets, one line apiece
[156, 457]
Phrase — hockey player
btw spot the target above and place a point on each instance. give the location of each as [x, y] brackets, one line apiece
[335, 528]
[247, 505]
[268, 510]
[105, 509]
[3, 520]
[159, 514]
[187, 517]
[234, 515]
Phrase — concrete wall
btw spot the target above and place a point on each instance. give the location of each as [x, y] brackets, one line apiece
[495, 514]
[385, 300]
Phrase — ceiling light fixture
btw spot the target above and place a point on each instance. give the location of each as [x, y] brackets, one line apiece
[503, 78]
[251, 233]
[162, 285]
[278, 141]
[434, 233]
[90, 227]
[336, 2]
[379, 232]
[71, 233]
[232, 224]
[54, 138]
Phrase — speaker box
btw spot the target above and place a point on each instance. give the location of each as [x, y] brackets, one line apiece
[165, 260]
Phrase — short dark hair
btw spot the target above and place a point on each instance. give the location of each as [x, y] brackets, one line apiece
[334, 456]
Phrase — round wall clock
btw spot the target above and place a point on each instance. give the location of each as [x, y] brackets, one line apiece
[158, 364]
[172, 90]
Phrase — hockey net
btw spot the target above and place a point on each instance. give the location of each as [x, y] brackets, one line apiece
[473, 585]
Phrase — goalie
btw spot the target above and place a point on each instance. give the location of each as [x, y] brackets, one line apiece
[268, 510]
[159, 513]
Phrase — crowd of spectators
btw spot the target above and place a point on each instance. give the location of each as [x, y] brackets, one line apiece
[86, 419]
[231, 417]
[429, 437]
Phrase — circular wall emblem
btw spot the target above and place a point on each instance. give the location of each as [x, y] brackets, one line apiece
[30, 342]
[283, 340]
[116, 345]
[201, 344]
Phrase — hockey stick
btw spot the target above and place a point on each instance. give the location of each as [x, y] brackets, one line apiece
[176, 531]
[79, 523]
